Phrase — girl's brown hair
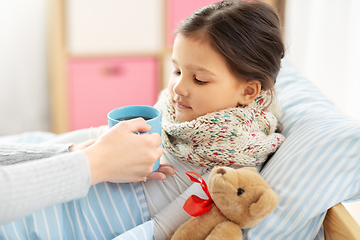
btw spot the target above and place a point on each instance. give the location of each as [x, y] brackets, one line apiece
[247, 34]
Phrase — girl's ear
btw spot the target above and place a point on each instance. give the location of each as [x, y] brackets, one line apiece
[250, 92]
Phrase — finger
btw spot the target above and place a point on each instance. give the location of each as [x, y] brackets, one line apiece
[166, 169]
[160, 150]
[156, 138]
[156, 176]
[166, 165]
[136, 124]
[139, 124]
[152, 140]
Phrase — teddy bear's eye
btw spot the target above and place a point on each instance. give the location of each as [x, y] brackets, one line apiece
[240, 191]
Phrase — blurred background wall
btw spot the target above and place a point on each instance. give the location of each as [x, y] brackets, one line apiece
[323, 42]
[23, 68]
[322, 39]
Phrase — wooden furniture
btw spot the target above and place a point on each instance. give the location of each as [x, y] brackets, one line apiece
[339, 224]
[104, 54]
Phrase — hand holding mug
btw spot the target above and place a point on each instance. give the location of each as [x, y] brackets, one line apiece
[120, 155]
[151, 115]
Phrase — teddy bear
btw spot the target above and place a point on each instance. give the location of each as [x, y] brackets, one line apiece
[238, 199]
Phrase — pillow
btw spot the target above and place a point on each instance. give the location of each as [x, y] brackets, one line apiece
[144, 231]
[317, 166]
[28, 137]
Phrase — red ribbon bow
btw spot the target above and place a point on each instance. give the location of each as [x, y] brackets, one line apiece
[194, 205]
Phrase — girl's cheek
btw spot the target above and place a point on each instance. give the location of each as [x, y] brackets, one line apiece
[170, 87]
[171, 84]
[170, 92]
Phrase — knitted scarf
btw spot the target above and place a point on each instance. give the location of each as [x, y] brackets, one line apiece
[237, 137]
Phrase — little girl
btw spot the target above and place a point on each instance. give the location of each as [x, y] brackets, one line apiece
[219, 106]
[217, 109]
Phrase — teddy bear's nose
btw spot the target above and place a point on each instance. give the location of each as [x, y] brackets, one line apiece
[221, 171]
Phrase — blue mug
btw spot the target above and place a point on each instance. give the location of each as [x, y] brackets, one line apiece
[151, 115]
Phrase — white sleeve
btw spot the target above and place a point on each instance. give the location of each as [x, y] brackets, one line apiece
[30, 186]
[79, 136]
[173, 215]
[11, 153]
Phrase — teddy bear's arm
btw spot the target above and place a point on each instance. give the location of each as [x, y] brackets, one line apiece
[197, 228]
[190, 230]
[226, 230]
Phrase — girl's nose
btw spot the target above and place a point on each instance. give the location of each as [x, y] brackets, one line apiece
[180, 87]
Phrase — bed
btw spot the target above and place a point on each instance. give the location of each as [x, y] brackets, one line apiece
[314, 171]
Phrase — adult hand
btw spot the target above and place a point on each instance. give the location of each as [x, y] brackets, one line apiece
[159, 174]
[119, 155]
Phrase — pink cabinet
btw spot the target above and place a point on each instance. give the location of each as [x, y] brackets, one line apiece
[179, 10]
[98, 85]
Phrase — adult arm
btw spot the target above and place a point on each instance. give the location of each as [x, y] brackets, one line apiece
[30, 186]
[11, 153]
[119, 155]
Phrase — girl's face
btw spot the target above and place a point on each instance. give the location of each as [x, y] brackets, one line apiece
[201, 82]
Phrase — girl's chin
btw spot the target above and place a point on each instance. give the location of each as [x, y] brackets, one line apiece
[182, 118]
[184, 115]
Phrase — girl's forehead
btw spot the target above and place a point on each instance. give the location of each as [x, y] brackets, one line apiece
[194, 48]
[197, 37]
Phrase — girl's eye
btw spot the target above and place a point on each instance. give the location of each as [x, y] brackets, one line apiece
[177, 73]
[199, 81]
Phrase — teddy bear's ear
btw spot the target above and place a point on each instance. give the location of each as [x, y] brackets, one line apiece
[265, 205]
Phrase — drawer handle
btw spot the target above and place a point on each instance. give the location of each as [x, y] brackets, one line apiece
[112, 71]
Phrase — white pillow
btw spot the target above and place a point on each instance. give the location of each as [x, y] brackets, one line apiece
[317, 166]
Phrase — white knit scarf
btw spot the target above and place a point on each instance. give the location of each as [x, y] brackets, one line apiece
[237, 137]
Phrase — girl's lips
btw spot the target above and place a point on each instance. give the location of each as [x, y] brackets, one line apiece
[181, 106]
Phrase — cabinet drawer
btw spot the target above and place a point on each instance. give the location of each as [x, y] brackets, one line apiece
[179, 10]
[97, 86]
[96, 27]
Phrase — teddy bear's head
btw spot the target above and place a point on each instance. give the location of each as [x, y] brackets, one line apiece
[242, 195]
